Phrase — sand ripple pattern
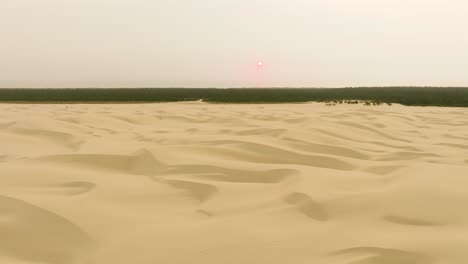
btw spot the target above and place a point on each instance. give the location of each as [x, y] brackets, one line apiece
[216, 183]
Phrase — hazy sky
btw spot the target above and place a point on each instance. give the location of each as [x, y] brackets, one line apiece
[219, 42]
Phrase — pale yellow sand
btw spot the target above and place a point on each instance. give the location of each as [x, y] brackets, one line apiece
[211, 183]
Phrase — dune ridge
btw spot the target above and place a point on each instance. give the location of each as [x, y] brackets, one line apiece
[221, 183]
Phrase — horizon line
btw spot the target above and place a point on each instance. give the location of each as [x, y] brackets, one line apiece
[246, 87]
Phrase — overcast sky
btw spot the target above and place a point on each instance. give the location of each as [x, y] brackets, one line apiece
[219, 42]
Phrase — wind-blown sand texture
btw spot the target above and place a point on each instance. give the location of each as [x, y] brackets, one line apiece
[211, 183]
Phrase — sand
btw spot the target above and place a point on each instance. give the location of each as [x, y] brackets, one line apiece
[213, 183]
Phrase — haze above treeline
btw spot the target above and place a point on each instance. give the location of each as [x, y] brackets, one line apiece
[212, 43]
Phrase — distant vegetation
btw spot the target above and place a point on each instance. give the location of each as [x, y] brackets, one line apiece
[401, 95]
[364, 102]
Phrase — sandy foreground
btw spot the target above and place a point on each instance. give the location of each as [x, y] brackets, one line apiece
[212, 183]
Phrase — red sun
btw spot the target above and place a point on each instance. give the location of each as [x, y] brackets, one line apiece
[260, 64]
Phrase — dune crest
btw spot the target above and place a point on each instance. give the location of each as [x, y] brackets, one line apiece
[31, 233]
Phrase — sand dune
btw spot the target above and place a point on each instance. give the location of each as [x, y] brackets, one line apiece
[216, 183]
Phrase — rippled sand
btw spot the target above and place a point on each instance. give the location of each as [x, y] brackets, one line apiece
[213, 183]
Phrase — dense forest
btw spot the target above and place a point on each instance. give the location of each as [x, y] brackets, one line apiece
[420, 96]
